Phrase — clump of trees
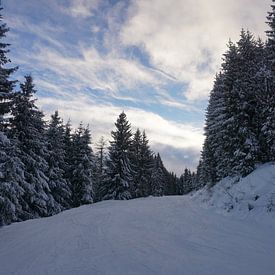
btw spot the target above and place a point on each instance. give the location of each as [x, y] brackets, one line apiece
[47, 167]
[240, 118]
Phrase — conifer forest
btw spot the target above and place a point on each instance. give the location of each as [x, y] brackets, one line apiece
[46, 166]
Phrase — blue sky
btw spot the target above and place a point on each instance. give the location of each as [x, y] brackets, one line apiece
[154, 59]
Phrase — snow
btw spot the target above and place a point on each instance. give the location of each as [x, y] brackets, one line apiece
[251, 197]
[165, 235]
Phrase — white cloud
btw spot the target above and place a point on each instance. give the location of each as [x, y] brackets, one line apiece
[109, 73]
[82, 8]
[184, 40]
[187, 38]
[45, 31]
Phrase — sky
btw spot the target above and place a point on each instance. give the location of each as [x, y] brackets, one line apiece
[154, 59]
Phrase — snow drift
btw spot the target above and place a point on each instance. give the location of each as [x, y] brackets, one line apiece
[251, 196]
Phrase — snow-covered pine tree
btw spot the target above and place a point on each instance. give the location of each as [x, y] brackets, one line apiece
[28, 128]
[194, 183]
[199, 180]
[171, 183]
[119, 177]
[158, 178]
[100, 157]
[6, 85]
[224, 125]
[142, 160]
[59, 187]
[231, 145]
[12, 182]
[240, 119]
[68, 154]
[213, 164]
[135, 159]
[187, 180]
[11, 168]
[246, 115]
[83, 167]
[146, 165]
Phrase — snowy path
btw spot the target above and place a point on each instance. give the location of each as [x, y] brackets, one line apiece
[169, 235]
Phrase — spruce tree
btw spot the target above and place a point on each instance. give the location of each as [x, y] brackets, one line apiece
[158, 179]
[247, 108]
[171, 184]
[28, 128]
[83, 167]
[12, 183]
[56, 161]
[101, 157]
[11, 168]
[6, 85]
[68, 153]
[142, 160]
[119, 177]
[187, 180]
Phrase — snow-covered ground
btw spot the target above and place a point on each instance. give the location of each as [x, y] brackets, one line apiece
[167, 235]
[249, 197]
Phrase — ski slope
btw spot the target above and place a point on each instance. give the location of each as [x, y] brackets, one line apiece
[167, 235]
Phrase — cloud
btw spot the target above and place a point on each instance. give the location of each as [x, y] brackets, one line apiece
[187, 38]
[77, 67]
[82, 8]
[148, 54]
[109, 73]
[179, 105]
[45, 32]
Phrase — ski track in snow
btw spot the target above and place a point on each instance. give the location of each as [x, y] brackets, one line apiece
[167, 235]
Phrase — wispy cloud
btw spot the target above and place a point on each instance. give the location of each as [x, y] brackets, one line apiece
[44, 31]
[187, 38]
[82, 8]
[109, 72]
[155, 59]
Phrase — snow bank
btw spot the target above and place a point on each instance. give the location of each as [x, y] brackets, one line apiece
[251, 196]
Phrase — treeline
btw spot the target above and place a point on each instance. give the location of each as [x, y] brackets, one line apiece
[47, 167]
[240, 119]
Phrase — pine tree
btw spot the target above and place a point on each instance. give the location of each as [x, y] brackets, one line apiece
[246, 117]
[231, 145]
[213, 165]
[100, 167]
[11, 183]
[187, 181]
[146, 166]
[6, 85]
[158, 179]
[56, 161]
[11, 168]
[28, 128]
[68, 154]
[142, 160]
[199, 179]
[171, 183]
[119, 177]
[83, 167]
